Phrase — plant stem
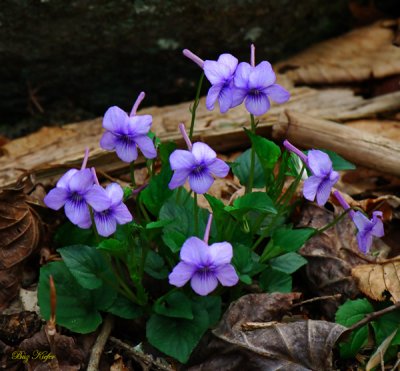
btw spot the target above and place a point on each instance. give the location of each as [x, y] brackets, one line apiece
[249, 186]
[195, 105]
[196, 215]
[333, 222]
[132, 172]
[95, 231]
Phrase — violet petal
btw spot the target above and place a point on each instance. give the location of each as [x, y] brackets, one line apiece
[227, 275]
[203, 283]
[181, 274]
[212, 95]
[56, 198]
[277, 93]
[242, 74]
[126, 149]
[182, 160]
[310, 187]
[200, 183]
[257, 104]
[319, 162]
[216, 72]
[261, 76]
[122, 214]
[108, 141]
[106, 224]
[115, 119]
[146, 145]
[203, 153]
[77, 211]
[97, 198]
[194, 251]
[221, 253]
[218, 168]
[178, 178]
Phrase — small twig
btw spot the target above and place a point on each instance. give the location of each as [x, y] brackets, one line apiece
[327, 297]
[101, 340]
[141, 357]
[371, 316]
[397, 364]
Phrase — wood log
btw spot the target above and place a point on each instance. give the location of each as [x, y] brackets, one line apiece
[361, 148]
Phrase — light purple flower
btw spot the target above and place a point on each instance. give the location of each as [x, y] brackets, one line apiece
[199, 164]
[125, 133]
[367, 229]
[204, 266]
[75, 191]
[318, 186]
[117, 213]
[255, 85]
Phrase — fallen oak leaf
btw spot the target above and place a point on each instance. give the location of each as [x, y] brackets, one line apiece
[375, 279]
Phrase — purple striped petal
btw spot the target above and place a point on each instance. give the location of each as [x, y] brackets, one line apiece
[238, 96]
[261, 76]
[105, 223]
[108, 141]
[126, 149]
[77, 211]
[122, 214]
[364, 241]
[257, 104]
[277, 93]
[212, 95]
[221, 253]
[146, 145]
[56, 198]
[203, 153]
[203, 283]
[242, 74]
[218, 168]
[115, 119]
[323, 192]
[200, 183]
[63, 182]
[81, 181]
[182, 160]
[194, 251]
[319, 162]
[181, 274]
[97, 198]
[178, 178]
[225, 99]
[227, 275]
[310, 187]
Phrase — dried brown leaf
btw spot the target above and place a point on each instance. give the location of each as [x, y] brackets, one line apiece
[331, 255]
[375, 279]
[271, 345]
[359, 55]
[20, 232]
[19, 326]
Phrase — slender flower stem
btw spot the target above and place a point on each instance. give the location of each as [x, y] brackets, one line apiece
[137, 103]
[95, 231]
[290, 147]
[85, 158]
[196, 214]
[193, 57]
[252, 55]
[208, 228]
[132, 172]
[249, 186]
[343, 203]
[335, 221]
[185, 136]
[195, 105]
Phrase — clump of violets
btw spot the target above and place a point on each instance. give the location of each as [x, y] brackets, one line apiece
[199, 164]
[233, 83]
[117, 213]
[204, 265]
[367, 228]
[76, 191]
[318, 186]
[124, 133]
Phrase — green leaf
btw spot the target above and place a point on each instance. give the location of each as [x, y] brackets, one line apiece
[267, 151]
[348, 314]
[124, 308]
[113, 247]
[87, 265]
[177, 337]
[288, 263]
[157, 192]
[75, 305]
[213, 306]
[241, 169]
[246, 262]
[182, 225]
[69, 234]
[246, 279]
[358, 339]
[174, 304]
[155, 266]
[285, 239]
[384, 326]
[256, 201]
[158, 224]
[272, 280]
[338, 162]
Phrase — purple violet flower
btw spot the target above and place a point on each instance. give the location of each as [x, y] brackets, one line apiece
[318, 186]
[75, 191]
[204, 265]
[367, 228]
[199, 164]
[106, 220]
[125, 133]
[220, 73]
[255, 85]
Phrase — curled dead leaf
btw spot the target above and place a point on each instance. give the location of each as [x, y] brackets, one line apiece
[356, 56]
[271, 344]
[375, 279]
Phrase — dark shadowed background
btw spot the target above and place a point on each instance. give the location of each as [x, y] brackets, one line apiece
[64, 61]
